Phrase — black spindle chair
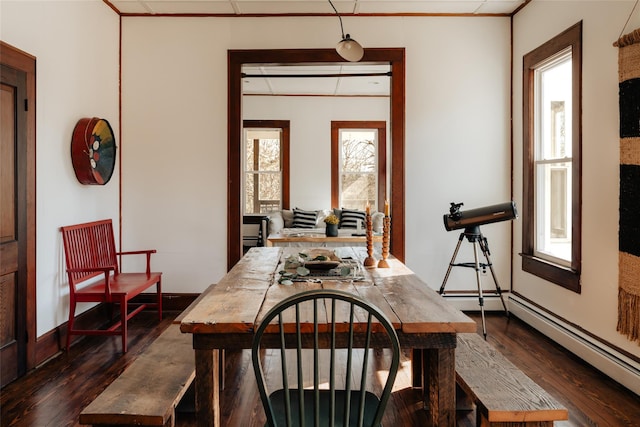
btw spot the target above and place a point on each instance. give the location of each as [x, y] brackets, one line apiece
[308, 321]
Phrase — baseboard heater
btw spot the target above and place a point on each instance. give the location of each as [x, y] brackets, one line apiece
[608, 360]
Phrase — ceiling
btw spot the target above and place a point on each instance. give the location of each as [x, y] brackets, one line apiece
[315, 7]
[343, 79]
[316, 86]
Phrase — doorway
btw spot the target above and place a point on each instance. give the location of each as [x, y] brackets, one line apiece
[17, 213]
[395, 57]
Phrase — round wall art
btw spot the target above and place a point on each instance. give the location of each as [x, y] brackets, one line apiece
[93, 151]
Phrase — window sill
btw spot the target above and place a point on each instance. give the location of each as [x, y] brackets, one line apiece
[562, 276]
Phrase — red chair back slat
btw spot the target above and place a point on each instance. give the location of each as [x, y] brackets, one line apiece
[89, 245]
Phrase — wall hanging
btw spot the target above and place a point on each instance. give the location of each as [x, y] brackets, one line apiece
[93, 151]
[629, 226]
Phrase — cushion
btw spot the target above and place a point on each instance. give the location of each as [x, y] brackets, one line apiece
[322, 214]
[350, 218]
[287, 216]
[377, 222]
[304, 219]
[276, 222]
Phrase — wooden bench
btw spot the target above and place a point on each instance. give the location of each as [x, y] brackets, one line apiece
[149, 390]
[504, 395]
[90, 252]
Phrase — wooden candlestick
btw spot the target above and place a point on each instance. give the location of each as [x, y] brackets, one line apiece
[386, 228]
[369, 261]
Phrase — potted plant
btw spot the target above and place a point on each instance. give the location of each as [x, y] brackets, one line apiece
[332, 222]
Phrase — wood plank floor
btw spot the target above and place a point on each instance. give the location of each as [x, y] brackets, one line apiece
[55, 394]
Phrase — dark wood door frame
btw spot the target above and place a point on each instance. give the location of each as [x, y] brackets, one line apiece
[21, 61]
[237, 58]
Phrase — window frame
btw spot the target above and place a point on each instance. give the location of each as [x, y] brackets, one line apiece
[567, 277]
[381, 127]
[284, 125]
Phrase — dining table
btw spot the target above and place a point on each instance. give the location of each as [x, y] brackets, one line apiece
[225, 316]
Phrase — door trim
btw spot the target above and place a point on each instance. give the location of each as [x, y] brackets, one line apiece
[236, 58]
[22, 61]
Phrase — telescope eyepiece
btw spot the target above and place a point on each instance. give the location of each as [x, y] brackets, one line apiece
[454, 211]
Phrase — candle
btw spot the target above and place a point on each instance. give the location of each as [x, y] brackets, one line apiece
[368, 209]
[386, 208]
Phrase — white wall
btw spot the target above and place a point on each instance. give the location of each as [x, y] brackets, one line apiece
[175, 131]
[76, 48]
[594, 310]
[310, 138]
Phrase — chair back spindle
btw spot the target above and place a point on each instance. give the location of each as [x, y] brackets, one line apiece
[362, 326]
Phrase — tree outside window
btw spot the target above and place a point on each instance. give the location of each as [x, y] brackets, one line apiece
[266, 166]
[358, 164]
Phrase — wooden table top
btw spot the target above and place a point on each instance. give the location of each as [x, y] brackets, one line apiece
[243, 296]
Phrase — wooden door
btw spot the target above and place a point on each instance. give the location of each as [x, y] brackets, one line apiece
[13, 244]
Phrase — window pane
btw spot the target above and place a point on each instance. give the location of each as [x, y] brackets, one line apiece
[269, 155]
[249, 193]
[358, 151]
[270, 189]
[357, 190]
[553, 212]
[249, 162]
[555, 108]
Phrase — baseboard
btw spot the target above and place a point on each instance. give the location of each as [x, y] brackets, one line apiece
[608, 360]
[52, 342]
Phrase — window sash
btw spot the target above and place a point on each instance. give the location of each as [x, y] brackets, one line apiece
[252, 182]
[369, 168]
[551, 90]
[553, 265]
[378, 170]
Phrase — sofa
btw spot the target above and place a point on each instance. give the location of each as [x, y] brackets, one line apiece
[302, 221]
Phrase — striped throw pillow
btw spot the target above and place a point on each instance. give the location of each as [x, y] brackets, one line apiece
[304, 219]
[350, 218]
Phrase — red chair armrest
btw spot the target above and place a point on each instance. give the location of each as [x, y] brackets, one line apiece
[147, 252]
[105, 270]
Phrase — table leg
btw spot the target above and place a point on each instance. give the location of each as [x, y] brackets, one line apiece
[439, 385]
[416, 368]
[207, 385]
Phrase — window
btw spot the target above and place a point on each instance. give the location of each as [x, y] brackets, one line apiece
[358, 164]
[551, 240]
[265, 155]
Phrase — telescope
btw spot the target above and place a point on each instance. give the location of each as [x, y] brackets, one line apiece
[457, 219]
[471, 220]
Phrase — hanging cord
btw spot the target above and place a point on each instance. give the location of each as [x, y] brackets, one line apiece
[340, 18]
[628, 19]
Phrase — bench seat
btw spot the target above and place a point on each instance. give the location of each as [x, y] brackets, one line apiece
[504, 395]
[149, 390]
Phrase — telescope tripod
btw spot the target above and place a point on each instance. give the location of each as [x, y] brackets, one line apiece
[473, 235]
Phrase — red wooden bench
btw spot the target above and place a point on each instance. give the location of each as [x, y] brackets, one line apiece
[90, 252]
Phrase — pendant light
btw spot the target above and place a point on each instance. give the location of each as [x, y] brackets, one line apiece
[348, 48]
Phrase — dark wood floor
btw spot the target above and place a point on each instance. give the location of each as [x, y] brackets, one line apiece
[54, 394]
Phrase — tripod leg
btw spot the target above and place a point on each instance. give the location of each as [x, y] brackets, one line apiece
[480, 297]
[484, 246]
[453, 258]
